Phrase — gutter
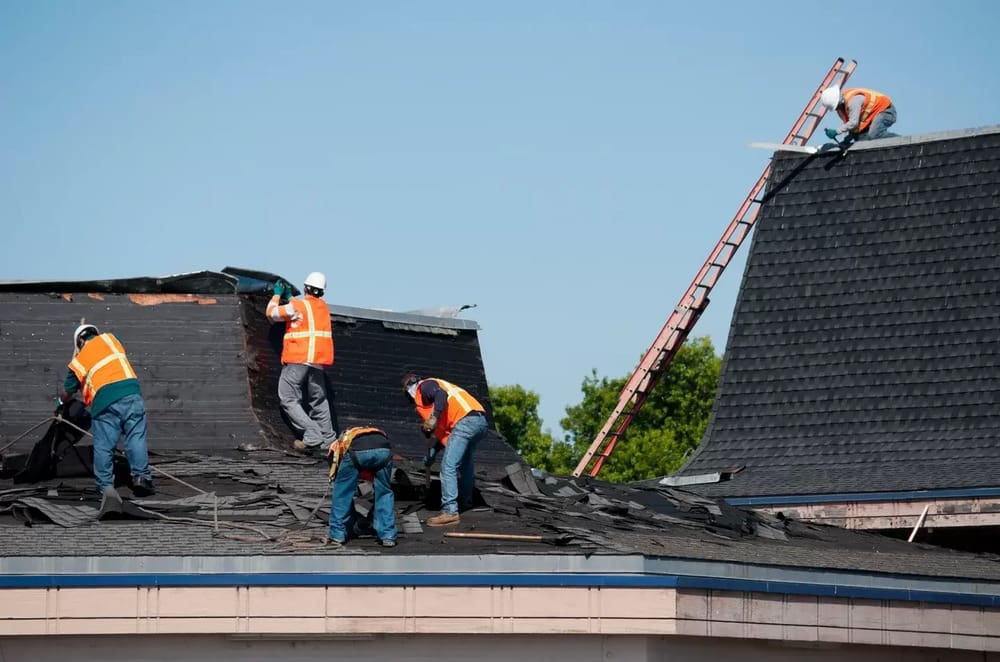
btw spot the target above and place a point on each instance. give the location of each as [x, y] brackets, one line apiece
[490, 570]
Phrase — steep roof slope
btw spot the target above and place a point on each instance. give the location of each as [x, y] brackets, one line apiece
[863, 351]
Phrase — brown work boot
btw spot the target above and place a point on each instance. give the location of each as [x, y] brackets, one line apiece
[444, 519]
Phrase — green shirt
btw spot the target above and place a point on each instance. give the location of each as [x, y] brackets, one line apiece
[106, 395]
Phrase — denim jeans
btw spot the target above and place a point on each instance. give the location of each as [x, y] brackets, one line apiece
[126, 415]
[303, 384]
[458, 471]
[346, 484]
[879, 128]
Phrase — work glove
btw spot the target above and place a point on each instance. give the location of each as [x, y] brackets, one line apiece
[280, 289]
[429, 424]
[431, 455]
[831, 133]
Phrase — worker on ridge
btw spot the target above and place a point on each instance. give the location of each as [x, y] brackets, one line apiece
[110, 388]
[867, 114]
[455, 420]
[307, 349]
[361, 453]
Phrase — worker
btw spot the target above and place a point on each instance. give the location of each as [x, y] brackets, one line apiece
[867, 114]
[361, 452]
[455, 422]
[308, 348]
[110, 388]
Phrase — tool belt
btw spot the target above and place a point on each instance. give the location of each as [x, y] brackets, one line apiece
[344, 445]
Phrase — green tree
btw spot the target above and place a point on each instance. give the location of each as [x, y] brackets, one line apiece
[668, 427]
[515, 412]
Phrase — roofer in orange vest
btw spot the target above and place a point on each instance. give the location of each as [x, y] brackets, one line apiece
[867, 114]
[110, 388]
[454, 420]
[308, 348]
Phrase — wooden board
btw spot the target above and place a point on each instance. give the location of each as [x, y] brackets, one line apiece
[779, 147]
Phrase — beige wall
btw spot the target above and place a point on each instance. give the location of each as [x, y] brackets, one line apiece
[320, 611]
[941, 513]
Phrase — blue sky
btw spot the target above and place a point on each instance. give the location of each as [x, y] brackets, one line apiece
[566, 166]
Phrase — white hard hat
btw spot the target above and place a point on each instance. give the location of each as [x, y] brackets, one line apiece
[80, 331]
[831, 97]
[317, 280]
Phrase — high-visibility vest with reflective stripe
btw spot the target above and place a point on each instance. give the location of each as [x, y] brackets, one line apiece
[102, 361]
[875, 103]
[460, 404]
[309, 339]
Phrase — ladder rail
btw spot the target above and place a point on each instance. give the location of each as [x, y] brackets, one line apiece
[692, 304]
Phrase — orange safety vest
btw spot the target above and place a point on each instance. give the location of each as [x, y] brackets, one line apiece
[309, 339]
[102, 361]
[875, 103]
[460, 404]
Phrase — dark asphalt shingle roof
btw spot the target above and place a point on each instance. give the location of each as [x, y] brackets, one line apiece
[863, 352]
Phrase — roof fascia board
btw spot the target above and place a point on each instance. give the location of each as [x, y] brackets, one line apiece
[460, 570]
[558, 580]
[847, 497]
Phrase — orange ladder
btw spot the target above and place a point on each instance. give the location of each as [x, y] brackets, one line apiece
[659, 355]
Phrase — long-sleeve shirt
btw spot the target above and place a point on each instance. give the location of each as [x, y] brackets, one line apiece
[276, 312]
[106, 395]
[854, 107]
[430, 390]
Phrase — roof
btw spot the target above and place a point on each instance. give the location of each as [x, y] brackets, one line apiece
[229, 488]
[208, 360]
[863, 354]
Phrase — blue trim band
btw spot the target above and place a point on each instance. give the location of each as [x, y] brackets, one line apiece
[916, 495]
[536, 580]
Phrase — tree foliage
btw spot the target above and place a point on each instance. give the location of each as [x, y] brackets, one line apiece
[515, 412]
[669, 426]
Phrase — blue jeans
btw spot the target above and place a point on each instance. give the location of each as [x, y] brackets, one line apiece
[126, 415]
[458, 471]
[346, 484]
[879, 128]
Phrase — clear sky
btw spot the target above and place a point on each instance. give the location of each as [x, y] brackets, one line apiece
[566, 166]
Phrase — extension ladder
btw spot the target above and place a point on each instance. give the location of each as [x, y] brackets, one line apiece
[658, 357]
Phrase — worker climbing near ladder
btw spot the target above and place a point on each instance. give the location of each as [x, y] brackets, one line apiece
[685, 315]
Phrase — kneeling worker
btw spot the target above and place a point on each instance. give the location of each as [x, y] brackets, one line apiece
[362, 452]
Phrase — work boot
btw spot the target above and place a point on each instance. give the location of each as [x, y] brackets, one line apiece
[444, 519]
[303, 447]
[143, 487]
[330, 543]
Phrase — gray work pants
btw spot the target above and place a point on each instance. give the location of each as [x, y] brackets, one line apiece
[302, 388]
